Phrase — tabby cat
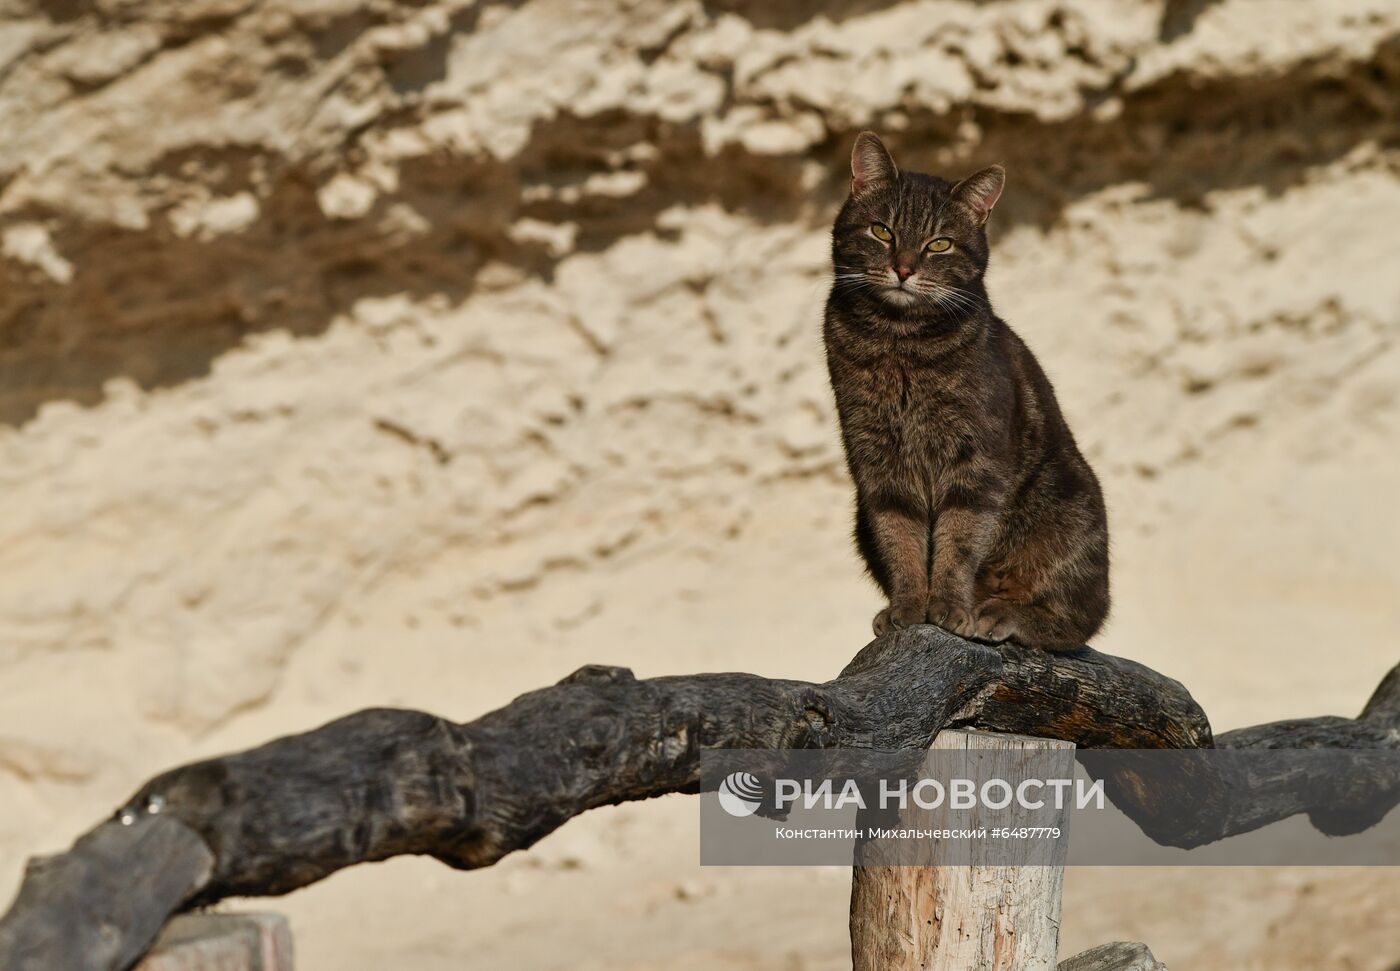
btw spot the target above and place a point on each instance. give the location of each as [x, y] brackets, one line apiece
[975, 510]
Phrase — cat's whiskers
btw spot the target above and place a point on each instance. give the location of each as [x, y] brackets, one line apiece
[953, 300]
[859, 282]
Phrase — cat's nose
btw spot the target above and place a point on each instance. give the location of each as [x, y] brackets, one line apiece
[903, 271]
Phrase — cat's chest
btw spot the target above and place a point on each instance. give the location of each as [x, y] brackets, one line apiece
[895, 394]
[903, 423]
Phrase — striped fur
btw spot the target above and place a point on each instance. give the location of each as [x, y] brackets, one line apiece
[975, 510]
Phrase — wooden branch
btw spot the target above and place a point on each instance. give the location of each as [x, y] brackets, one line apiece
[100, 904]
[388, 782]
[1192, 802]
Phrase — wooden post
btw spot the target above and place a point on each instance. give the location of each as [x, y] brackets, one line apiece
[989, 914]
[222, 942]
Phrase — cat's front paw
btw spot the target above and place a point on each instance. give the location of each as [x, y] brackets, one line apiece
[949, 614]
[897, 616]
[995, 622]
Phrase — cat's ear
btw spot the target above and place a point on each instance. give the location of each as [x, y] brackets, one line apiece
[871, 164]
[981, 190]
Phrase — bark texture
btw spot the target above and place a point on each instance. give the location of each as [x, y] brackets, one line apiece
[997, 907]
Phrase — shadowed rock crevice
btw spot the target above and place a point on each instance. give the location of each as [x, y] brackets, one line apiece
[788, 14]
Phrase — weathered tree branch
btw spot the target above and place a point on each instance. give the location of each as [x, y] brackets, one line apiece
[100, 904]
[386, 782]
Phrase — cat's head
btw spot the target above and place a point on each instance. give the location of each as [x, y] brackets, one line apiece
[913, 244]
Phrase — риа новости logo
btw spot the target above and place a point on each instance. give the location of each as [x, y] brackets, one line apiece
[741, 793]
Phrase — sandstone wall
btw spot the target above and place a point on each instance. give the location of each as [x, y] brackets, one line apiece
[356, 352]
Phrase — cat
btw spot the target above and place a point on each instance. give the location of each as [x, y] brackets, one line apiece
[975, 510]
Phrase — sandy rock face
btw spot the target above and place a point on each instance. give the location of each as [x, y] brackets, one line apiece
[377, 353]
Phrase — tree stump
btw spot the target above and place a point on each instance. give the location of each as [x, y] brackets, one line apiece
[986, 911]
[222, 942]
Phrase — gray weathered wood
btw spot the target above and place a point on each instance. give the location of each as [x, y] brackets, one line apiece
[993, 911]
[222, 942]
[97, 906]
[388, 782]
[1119, 956]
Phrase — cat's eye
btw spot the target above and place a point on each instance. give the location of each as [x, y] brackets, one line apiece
[881, 232]
[940, 245]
